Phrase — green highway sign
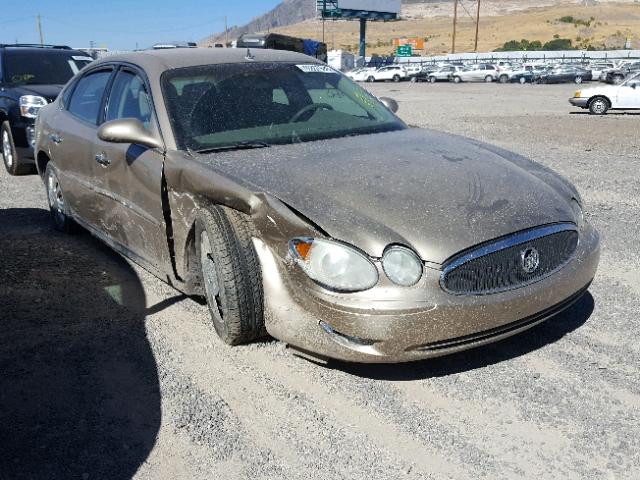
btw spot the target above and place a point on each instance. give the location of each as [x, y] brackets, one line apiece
[404, 51]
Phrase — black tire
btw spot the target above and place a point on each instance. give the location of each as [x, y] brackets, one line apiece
[231, 274]
[599, 106]
[58, 207]
[503, 78]
[371, 79]
[578, 80]
[396, 78]
[433, 79]
[617, 79]
[12, 161]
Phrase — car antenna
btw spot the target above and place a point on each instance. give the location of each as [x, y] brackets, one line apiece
[249, 56]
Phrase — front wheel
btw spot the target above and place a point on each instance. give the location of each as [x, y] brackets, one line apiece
[598, 106]
[396, 78]
[231, 274]
[504, 78]
[522, 80]
[433, 79]
[414, 79]
[58, 207]
[488, 79]
[578, 80]
[371, 79]
[457, 79]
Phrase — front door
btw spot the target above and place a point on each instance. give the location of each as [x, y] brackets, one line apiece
[129, 177]
[628, 94]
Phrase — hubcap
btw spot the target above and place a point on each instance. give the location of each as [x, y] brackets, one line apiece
[598, 106]
[210, 275]
[6, 149]
[56, 200]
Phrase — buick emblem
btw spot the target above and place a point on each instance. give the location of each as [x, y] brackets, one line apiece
[530, 259]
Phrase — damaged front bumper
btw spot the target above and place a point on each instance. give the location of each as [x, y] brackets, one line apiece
[388, 324]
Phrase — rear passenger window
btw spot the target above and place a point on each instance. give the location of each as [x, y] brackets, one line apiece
[129, 99]
[87, 96]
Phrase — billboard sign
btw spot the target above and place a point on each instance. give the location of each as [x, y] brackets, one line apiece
[416, 43]
[386, 6]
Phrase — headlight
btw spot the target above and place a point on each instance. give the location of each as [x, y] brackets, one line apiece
[577, 212]
[30, 105]
[577, 94]
[402, 266]
[334, 265]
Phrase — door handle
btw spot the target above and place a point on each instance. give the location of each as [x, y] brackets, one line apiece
[55, 138]
[103, 160]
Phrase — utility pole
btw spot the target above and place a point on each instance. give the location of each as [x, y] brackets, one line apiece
[455, 21]
[226, 33]
[40, 30]
[475, 48]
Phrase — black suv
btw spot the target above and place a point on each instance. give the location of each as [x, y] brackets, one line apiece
[617, 75]
[30, 77]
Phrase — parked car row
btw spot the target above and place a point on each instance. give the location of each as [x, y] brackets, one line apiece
[502, 72]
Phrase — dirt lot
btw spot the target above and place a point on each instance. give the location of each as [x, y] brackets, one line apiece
[106, 372]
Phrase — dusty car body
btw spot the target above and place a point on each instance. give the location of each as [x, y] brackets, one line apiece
[449, 243]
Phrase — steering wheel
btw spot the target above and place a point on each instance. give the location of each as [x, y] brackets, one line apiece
[309, 108]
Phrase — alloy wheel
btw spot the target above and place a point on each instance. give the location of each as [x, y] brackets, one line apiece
[7, 152]
[210, 277]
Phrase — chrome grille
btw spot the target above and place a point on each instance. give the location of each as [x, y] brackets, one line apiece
[507, 263]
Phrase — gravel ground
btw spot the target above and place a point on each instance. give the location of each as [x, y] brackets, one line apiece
[106, 372]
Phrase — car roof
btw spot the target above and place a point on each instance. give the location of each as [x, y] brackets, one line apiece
[159, 61]
[48, 50]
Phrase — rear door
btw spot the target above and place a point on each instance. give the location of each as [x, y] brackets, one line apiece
[73, 131]
[129, 176]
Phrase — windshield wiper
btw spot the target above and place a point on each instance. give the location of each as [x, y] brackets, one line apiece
[234, 146]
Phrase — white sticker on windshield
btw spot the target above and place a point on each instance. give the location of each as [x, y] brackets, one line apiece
[78, 57]
[316, 69]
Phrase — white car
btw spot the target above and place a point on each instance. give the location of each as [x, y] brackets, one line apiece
[390, 72]
[444, 74]
[476, 73]
[599, 100]
[360, 74]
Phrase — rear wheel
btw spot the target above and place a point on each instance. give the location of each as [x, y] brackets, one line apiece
[433, 79]
[504, 78]
[457, 79]
[12, 161]
[231, 274]
[371, 79]
[578, 80]
[522, 80]
[599, 106]
[58, 207]
[617, 79]
[396, 78]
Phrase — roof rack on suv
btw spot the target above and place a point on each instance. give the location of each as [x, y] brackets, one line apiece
[34, 45]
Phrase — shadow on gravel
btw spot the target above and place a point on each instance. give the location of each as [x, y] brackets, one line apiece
[79, 390]
[528, 341]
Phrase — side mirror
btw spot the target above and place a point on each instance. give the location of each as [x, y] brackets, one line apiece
[390, 103]
[127, 130]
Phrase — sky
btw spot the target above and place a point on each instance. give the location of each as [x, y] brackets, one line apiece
[122, 25]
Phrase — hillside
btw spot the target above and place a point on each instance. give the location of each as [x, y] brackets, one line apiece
[501, 21]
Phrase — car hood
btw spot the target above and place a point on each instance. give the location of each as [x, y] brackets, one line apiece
[50, 92]
[437, 193]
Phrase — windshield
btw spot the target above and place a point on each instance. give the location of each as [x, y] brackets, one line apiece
[42, 68]
[275, 103]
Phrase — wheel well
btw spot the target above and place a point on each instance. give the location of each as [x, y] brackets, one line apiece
[599, 96]
[41, 161]
[192, 263]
